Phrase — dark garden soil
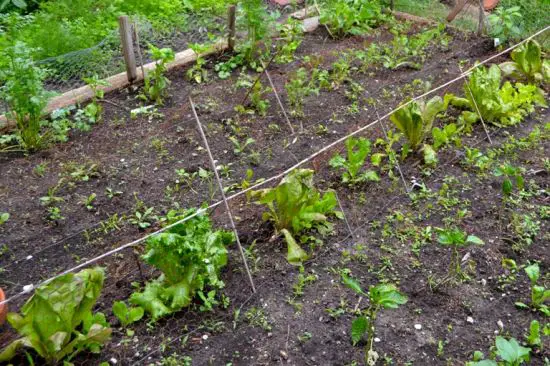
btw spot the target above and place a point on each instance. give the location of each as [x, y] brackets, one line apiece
[138, 157]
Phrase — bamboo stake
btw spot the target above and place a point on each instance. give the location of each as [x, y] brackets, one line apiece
[223, 195]
[278, 99]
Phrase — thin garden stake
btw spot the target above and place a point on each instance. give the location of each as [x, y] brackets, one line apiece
[279, 99]
[396, 162]
[223, 194]
[477, 109]
[258, 78]
[343, 213]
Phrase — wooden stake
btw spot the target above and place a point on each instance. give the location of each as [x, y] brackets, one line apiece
[481, 24]
[231, 27]
[125, 28]
[223, 194]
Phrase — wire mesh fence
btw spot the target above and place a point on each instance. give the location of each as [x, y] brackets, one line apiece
[66, 72]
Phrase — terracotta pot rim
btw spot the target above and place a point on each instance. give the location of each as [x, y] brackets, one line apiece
[490, 4]
[3, 307]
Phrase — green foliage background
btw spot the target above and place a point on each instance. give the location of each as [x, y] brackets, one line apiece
[57, 27]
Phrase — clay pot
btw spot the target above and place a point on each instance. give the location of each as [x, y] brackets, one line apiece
[3, 308]
[490, 4]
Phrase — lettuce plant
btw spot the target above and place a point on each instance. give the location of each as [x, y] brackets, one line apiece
[190, 256]
[381, 296]
[295, 206]
[357, 152]
[57, 321]
[415, 119]
[501, 106]
[527, 64]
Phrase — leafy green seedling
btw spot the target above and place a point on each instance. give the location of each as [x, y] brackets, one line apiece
[539, 294]
[381, 296]
[449, 134]
[456, 239]
[357, 152]
[89, 202]
[511, 175]
[510, 353]
[533, 338]
[143, 219]
[238, 147]
[4, 217]
[111, 193]
[127, 315]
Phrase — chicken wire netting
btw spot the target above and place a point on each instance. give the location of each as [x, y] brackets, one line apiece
[67, 71]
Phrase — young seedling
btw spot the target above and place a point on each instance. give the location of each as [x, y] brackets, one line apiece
[127, 315]
[89, 202]
[4, 217]
[456, 239]
[509, 352]
[94, 110]
[381, 296]
[298, 88]
[510, 176]
[357, 152]
[539, 294]
[534, 338]
[110, 193]
[186, 177]
[445, 136]
[143, 219]
[238, 147]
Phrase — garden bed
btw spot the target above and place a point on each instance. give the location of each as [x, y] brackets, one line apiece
[139, 156]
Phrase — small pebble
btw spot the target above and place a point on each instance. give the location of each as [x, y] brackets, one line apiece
[470, 320]
[283, 354]
[113, 361]
[28, 288]
[205, 337]
[418, 326]
[29, 257]
[500, 324]
[376, 340]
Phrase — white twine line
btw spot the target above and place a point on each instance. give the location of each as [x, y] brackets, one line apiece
[31, 287]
